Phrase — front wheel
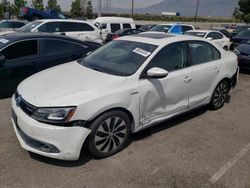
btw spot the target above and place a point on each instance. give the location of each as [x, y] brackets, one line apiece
[220, 94]
[110, 133]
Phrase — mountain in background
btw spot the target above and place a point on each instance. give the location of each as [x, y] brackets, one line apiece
[220, 8]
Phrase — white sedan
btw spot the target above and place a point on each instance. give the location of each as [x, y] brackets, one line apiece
[122, 88]
[215, 36]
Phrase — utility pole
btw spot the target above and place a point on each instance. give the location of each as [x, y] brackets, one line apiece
[197, 9]
[132, 11]
[99, 8]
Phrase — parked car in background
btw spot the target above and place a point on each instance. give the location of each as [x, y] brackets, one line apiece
[147, 27]
[125, 86]
[23, 54]
[112, 24]
[78, 29]
[242, 37]
[243, 53]
[32, 14]
[215, 36]
[120, 33]
[173, 28]
[10, 25]
[240, 28]
[224, 32]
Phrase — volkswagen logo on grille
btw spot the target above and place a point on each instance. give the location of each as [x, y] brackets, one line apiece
[18, 100]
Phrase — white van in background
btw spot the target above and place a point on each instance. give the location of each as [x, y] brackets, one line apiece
[113, 24]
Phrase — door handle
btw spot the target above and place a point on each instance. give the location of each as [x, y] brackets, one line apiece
[216, 70]
[187, 79]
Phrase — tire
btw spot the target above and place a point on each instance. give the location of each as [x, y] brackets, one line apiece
[225, 48]
[220, 95]
[110, 134]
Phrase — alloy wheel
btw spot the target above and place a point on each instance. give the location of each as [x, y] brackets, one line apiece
[220, 95]
[110, 135]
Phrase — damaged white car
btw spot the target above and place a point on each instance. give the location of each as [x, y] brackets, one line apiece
[122, 88]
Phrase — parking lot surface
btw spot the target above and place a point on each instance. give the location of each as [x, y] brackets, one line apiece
[200, 149]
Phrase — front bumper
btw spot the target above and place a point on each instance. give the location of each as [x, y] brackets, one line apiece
[62, 143]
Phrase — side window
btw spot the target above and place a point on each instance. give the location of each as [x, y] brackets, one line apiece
[104, 26]
[21, 50]
[186, 28]
[50, 27]
[6, 25]
[115, 27]
[175, 29]
[85, 27]
[210, 35]
[17, 24]
[54, 47]
[126, 26]
[202, 52]
[69, 26]
[216, 53]
[171, 57]
[218, 35]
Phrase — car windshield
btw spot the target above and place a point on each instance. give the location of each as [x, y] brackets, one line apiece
[29, 27]
[245, 33]
[197, 34]
[120, 58]
[161, 28]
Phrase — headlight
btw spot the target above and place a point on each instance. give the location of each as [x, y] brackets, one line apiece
[54, 115]
[237, 52]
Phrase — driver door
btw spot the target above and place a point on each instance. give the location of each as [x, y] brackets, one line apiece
[163, 97]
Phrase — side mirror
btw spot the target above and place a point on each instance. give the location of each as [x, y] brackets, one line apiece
[157, 73]
[209, 38]
[2, 59]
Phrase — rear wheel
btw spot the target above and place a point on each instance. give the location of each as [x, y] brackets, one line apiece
[220, 94]
[110, 133]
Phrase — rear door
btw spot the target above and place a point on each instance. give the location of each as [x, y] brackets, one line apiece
[21, 60]
[206, 60]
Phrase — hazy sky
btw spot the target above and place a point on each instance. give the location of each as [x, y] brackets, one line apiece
[65, 4]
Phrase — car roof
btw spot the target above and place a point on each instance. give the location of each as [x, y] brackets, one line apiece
[17, 36]
[158, 38]
[6, 20]
[172, 24]
[64, 20]
[201, 31]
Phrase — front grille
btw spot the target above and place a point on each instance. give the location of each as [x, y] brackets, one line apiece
[25, 106]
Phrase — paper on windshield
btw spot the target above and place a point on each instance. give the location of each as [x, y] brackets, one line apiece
[141, 52]
[2, 40]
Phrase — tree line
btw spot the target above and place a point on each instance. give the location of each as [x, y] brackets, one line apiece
[77, 10]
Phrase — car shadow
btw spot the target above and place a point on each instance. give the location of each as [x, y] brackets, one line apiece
[245, 71]
[85, 157]
[168, 124]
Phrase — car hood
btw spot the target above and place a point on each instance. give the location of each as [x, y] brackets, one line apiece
[70, 84]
